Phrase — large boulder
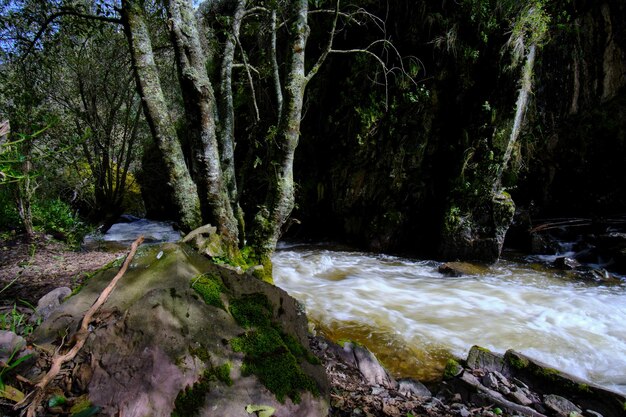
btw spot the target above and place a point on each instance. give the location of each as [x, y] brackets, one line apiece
[477, 234]
[182, 336]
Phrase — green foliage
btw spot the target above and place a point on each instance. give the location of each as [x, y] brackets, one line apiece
[271, 355]
[12, 363]
[52, 216]
[210, 288]
[16, 322]
[8, 212]
[57, 217]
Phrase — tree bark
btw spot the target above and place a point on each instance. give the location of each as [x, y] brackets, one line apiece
[185, 196]
[227, 114]
[200, 108]
[281, 195]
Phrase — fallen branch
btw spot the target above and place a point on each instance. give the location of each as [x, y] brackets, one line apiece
[80, 338]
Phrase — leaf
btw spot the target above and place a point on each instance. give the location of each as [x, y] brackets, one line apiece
[12, 394]
[87, 412]
[57, 400]
[262, 410]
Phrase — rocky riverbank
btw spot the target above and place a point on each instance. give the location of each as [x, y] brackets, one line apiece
[485, 384]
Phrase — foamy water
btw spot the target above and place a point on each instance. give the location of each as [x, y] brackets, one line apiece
[414, 318]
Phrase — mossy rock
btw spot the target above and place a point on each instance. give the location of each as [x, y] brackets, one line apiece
[544, 379]
[164, 339]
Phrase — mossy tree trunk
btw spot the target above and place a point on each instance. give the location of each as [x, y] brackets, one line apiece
[185, 198]
[200, 112]
[281, 196]
[227, 114]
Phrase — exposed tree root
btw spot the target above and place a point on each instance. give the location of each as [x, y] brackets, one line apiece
[34, 398]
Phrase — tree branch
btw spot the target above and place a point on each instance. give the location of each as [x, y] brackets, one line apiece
[66, 12]
[250, 80]
[275, 71]
[329, 47]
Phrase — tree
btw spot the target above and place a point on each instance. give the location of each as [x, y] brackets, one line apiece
[202, 174]
[88, 79]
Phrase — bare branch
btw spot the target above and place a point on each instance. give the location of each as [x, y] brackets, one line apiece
[329, 47]
[250, 80]
[255, 10]
[275, 71]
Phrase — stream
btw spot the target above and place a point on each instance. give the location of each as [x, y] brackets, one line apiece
[414, 319]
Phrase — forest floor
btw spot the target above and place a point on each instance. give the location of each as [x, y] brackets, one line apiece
[31, 269]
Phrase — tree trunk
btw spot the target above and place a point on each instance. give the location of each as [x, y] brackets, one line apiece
[200, 114]
[25, 191]
[227, 115]
[185, 197]
[520, 111]
[281, 195]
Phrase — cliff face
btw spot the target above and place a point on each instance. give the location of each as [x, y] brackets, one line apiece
[579, 120]
[393, 178]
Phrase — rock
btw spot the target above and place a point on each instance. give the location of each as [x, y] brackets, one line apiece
[520, 397]
[565, 263]
[490, 381]
[156, 336]
[460, 409]
[372, 370]
[591, 413]
[477, 234]
[361, 358]
[10, 343]
[459, 269]
[50, 302]
[561, 406]
[548, 381]
[412, 387]
[481, 358]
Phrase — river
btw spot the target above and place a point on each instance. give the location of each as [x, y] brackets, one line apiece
[414, 319]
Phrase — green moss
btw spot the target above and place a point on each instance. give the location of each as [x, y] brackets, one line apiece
[584, 388]
[191, 399]
[517, 362]
[269, 358]
[548, 373]
[252, 310]
[210, 288]
[272, 355]
[251, 258]
[200, 353]
[222, 373]
[452, 369]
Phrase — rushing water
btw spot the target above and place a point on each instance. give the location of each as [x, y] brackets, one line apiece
[414, 318]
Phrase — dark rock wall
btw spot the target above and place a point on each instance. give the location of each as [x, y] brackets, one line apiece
[384, 180]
